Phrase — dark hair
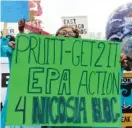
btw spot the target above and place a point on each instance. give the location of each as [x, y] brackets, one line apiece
[21, 24]
[11, 38]
[75, 30]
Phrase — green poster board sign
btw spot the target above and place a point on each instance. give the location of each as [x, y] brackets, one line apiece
[59, 81]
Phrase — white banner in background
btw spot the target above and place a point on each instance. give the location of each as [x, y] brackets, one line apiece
[12, 28]
[79, 22]
[4, 77]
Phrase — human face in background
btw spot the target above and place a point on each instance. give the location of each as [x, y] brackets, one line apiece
[66, 32]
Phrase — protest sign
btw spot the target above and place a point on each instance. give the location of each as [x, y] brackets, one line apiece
[13, 11]
[4, 77]
[34, 27]
[79, 22]
[58, 81]
[11, 29]
[126, 86]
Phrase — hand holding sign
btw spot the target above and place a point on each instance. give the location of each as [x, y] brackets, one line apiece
[13, 11]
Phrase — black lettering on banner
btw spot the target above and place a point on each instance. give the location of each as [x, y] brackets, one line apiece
[64, 21]
[39, 51]
[1, 106]
[54, 100]
[89, 84]
[77, 110]
[126, 80]
[5, 78]
[92, 51]
[106, 110]
[109, 84]
[11, 31]
[75, 50]
[52, 75]
[74, 21]
[112, 85]
[80, 26]
[20, 43]
[82, 53]
[82, 108]
[103, 93]
[32, 80]
[69, 21]
[38, 110]
[46, 107]
[83, 81]
[81, 31]
[117, 115]
[99, 76]
[100, 56]
[46, 49]
[109, 55]
[62, 109]
[96, 110]
[33, 40]
[127, 119]
[72, 108]
[56, 109]
[61, 50]
[85, 31]
[65, 83]
[23, 110]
